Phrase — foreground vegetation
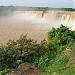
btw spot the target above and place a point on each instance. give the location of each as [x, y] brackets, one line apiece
[47, 56]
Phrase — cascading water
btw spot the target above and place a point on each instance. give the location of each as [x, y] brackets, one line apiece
[51, 18]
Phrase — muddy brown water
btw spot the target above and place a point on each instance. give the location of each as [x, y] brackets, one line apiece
[11, 29]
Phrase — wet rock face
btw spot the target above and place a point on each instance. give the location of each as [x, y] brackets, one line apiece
[25, 69]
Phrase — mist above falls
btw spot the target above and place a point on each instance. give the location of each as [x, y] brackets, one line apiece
[48, 18]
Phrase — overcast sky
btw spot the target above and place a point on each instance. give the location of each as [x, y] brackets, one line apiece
[39, 3]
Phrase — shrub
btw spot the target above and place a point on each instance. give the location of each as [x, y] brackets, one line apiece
[22, 50]
[61, 38]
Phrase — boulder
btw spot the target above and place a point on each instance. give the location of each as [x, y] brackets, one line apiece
[25, 69]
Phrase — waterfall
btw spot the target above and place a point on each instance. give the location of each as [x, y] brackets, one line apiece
[52, 18]
[35, 23]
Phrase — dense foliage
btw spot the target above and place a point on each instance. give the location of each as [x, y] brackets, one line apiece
[61, 38]
[43, 54]
[22, 50]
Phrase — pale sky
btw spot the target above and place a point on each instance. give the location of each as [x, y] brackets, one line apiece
[39, 3]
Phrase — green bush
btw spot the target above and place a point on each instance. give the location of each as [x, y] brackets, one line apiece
[60, 39]
[22, 50]
[61, 36]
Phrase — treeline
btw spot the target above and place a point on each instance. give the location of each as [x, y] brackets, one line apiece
[68, 9]
[22, 8]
